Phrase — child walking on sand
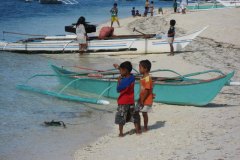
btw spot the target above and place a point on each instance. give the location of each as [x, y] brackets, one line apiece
[171, 35]
[125, 110]
[146, 91]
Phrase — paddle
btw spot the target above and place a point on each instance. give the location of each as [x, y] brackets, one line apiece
[90, 69]
[134, 29]
[145, 35]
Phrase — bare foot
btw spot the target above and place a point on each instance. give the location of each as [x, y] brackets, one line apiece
[145, 129]
[138, 132]
[120, 135]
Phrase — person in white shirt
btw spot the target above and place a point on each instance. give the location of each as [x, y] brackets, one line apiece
[81, 35]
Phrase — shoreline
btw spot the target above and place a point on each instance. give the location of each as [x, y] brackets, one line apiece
[182, 132]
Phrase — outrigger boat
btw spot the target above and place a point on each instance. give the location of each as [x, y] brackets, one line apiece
[230, 3]
[203, 5]
[127, 44]
[178, 90]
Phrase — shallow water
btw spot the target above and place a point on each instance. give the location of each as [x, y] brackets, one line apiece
[22, 133]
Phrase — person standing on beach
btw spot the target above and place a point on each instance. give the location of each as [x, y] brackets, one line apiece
[160, 10]
[126, 108]
[81, 34]
[146, 8]
[138, 14]
[114, 14]
[133, 12]
[145, 12]
[146, 91]
[147, 4]
[151, 8]
[175, 6]
[171, 35]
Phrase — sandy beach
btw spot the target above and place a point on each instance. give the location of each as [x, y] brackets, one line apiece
[183, 132]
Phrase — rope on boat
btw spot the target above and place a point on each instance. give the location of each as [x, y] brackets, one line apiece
[64, 47]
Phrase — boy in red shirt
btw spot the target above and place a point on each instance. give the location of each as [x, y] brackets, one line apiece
[125, 110]
[146, 91]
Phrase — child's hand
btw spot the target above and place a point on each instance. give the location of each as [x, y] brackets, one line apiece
[141, 102]
[116, 66]
[119, 78]
[154, 95]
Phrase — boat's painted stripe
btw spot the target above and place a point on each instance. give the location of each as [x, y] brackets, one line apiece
[165, 42]
[91, 41]
[75, 47]
[107, 46]
[70, 46]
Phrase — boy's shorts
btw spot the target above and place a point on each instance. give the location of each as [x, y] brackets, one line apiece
[114, 19]
[126, 113]
[145, 108]
[170, 40]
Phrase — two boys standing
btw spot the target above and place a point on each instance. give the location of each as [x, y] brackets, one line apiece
[127, 111]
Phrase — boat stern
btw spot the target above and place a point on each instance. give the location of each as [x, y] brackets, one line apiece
[3, 44]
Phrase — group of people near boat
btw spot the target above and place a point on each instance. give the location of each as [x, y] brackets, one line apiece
[149, 8]
[127, 111]
[82, 35]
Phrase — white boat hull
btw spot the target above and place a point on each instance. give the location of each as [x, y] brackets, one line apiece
[66, 44]
[230, 3]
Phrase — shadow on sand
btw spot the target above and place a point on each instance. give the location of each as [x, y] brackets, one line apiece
[215, 105]
[156, 125]
[234, 94]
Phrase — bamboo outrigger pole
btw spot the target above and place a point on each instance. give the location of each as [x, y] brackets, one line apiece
[25, 34]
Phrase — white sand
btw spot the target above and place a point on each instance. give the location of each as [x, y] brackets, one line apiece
[184, 132]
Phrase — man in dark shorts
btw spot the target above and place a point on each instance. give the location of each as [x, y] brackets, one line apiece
[171, 35]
